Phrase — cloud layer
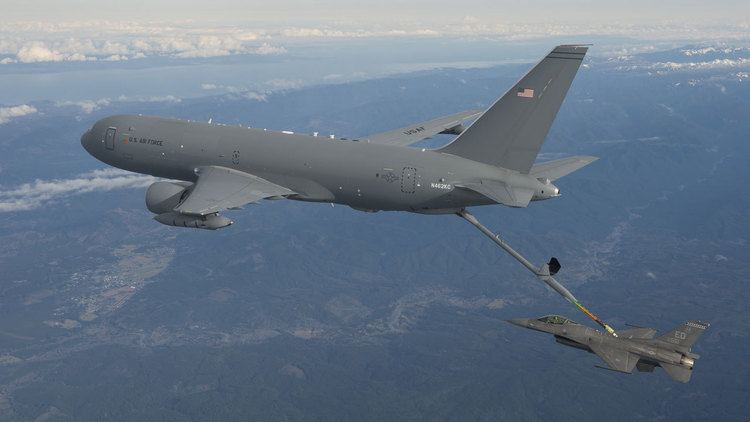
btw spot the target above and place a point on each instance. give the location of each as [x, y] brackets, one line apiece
[33, 42]
[8, 113]
[30, 196]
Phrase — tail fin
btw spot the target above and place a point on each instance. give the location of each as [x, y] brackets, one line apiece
[511, 132]
[685, 335]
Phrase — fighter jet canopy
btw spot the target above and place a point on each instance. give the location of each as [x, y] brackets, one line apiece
[555, 319]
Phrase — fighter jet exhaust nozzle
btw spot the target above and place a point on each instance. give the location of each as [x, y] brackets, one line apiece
[207, 222]
[687, 361]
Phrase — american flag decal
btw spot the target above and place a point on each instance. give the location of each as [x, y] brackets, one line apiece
[525, 93]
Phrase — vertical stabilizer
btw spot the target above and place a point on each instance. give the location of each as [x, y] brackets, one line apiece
[511, 132]
[685, 335]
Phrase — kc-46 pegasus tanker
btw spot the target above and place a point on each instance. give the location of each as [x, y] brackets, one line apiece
[217, 167]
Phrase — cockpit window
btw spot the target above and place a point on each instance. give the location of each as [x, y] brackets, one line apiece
[555, 319]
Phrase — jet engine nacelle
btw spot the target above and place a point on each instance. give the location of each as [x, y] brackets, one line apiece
[546, 190]
[207, 222]
[163, 197]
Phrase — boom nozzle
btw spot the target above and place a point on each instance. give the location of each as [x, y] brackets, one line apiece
[554, 266]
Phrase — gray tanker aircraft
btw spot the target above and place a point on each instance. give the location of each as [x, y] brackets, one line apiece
[635, 348]
[219, 167]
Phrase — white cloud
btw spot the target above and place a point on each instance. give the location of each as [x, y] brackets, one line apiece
[241, 91]
[38, 52]
[268, 49]
[713, 64]
[115, 58]
[30, 42]
[153, 99]
[30, 196]
[332, 76]
[707, 50]
[8, 113]
[87, 106]
[160, 99]
[283, 84]
[251, 95]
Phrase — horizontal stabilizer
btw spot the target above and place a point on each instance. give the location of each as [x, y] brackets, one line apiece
[678, 373]
[556, 169]
[501, 192]
[408, 135]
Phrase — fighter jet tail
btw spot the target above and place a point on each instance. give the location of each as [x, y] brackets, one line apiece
[685, 335]
[511, 132]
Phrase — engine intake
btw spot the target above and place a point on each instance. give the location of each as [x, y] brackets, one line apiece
[163, 197]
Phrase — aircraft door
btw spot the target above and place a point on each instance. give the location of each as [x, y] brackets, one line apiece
[109, 138]
[408, 180]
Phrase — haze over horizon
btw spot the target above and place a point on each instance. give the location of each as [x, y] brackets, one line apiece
[384, 12]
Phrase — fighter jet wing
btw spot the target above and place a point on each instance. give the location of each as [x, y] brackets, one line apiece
[617, 359]
[219, 188]
[416, 132]
[639, 332]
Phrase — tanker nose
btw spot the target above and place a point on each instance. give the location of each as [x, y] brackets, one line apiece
[86, 141]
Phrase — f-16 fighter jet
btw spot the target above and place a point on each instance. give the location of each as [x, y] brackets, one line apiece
[636, 348]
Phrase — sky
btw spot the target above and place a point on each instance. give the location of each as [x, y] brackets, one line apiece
[50, 48]
[281, 12]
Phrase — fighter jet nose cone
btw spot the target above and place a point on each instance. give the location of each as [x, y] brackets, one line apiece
[519, 322]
